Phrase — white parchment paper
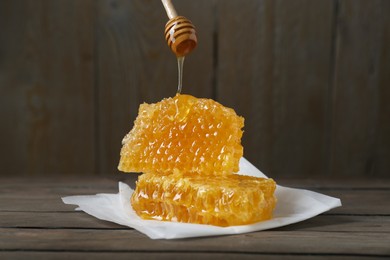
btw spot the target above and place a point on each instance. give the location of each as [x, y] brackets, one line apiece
[294, 205]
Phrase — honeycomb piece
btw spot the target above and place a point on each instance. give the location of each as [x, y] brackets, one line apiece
[215, 200]
[183, 133]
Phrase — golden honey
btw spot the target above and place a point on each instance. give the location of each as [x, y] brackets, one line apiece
[189, 150]
[215, 200]
[183, 133]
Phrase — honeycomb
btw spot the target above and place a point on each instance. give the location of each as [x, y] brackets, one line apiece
[216, 200]
[185, 133]
[189, 149]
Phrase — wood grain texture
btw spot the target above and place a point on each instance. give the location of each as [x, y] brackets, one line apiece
[135, 65]
[80, 220]
[52, 184]
[46, 93]
[126, 56]
[281, 242]
[273, 68]
[372, 200]
[375, 202]
[169, 255]
[310, 77]
[41, 226]
[361, 110]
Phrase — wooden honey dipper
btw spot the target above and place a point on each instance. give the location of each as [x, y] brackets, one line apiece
[179, 32]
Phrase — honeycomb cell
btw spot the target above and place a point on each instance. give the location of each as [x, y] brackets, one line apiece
[223, 200]
[192, 135]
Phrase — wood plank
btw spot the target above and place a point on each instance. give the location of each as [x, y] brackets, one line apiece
[10, 184]
[21, 188]
[77, 219]
[339, 223]
[41, 191]
[47, 87]
[280, 242]
[324, 223]
[335, 183]
[370, 202]
[382, 149]
[167, 255]
[361, 111]
[66, 180]
[273, 68]
[135, 65]
[171, 255]
[46, 204]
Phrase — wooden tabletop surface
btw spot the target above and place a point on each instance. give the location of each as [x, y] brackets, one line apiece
[36, 224]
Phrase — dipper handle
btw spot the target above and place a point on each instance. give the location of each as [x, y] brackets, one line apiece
[169, 8]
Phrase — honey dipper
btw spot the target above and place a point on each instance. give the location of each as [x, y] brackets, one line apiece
[179, 32]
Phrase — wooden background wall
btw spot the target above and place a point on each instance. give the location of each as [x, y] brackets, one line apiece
[312, 79]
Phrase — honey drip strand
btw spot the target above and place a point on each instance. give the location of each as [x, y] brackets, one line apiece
[180, 62]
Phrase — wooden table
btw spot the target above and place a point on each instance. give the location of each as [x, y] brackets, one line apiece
[35, 224]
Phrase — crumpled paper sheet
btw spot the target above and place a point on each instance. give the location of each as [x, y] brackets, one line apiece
[293, 205]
